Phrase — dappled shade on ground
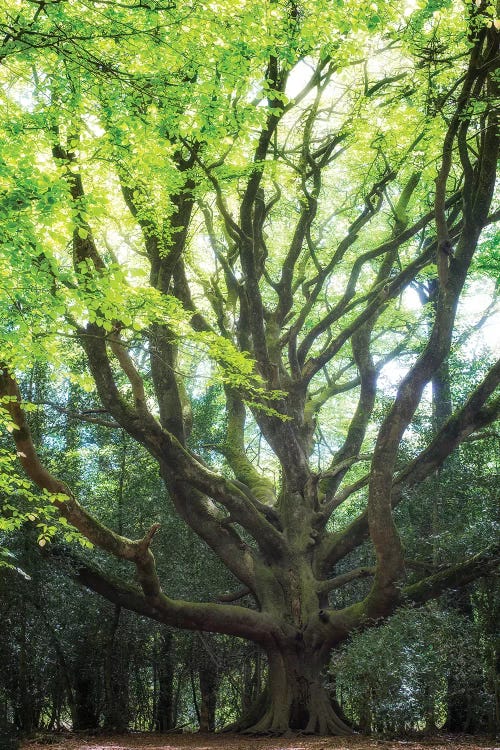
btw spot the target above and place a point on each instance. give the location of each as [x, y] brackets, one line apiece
[237, 742]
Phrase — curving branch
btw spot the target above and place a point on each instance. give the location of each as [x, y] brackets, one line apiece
[475, 414]
[149, 600]
[337, 625]
[204, 616]
[341, 580]
[484, 563]
[136, 551]
[178, 465]
[83, 416]
[383, 532]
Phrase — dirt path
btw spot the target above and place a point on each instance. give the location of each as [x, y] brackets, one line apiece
[236, 742]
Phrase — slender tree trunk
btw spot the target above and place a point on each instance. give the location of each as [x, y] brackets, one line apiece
[26, 709]
[246, 686]
[251, 680]
[63, 683]
[116, 670]
[164, 719]
[209, 682]
[494, 718]
[366, 716]
[193, 693]
[177, 697]
[55, 708]
[116, 680]
[208, 678]
[84, 689]
[430, 711]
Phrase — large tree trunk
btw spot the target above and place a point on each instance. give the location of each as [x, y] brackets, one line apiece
[296, 700]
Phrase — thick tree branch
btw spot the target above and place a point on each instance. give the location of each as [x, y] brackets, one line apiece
[473, 415]
[140, 423]
[137, 551]
[443, 237]
[234, 451]
[383, 531]
[483, 564]
[224, 542]
[337, 625]
[204, 616]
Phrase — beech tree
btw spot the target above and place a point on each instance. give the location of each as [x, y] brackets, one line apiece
[249, 195]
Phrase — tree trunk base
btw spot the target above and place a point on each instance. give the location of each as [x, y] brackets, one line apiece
[295, 702]
[322, 721]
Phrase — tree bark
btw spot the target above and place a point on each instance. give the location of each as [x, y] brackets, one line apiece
[164, 715]
[84, 689]
[297, 700]
[209, 682]
[116, 679]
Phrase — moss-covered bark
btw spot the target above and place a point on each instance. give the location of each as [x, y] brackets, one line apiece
[296, 700]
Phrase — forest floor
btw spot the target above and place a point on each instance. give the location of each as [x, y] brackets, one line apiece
[237, 742]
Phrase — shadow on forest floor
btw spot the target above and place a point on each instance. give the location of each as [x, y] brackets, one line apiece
[237, 742]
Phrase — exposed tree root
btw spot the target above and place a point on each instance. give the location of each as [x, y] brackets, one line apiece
[322, 720]
[322, 717]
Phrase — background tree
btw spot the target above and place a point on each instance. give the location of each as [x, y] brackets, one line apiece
[204, 195]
